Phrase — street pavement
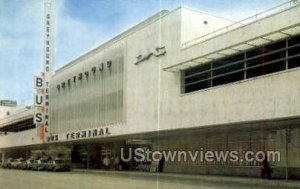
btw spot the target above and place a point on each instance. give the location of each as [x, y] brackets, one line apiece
[82, 179]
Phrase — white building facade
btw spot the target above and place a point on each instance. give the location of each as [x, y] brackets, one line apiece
[183, 81]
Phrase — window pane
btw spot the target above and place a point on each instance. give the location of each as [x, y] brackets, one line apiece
[275, 46]
[294, 51]
[294, 62]
[265, 69]
[294, 40]
[197, 69]
[254, 52]
[259, 61]
[264, 64]
[228, 69]
[198, 86]
[228, 78]
[193, 78]
[197, 77]
[228, 60]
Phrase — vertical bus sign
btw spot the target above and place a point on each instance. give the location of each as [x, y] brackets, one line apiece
[41, 84]
[48, 58]
[38, 84]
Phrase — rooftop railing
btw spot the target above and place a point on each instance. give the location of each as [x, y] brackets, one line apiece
[248, 20]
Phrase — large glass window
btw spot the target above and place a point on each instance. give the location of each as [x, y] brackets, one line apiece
[197, 78]
[270, 58]
[266, 59]
[228, 70]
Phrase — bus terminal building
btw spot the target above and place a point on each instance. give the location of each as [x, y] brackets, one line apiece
[182, 80]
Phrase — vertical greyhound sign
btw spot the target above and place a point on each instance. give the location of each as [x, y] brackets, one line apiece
[41, 83]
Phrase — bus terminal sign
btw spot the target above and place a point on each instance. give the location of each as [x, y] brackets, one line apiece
[88, 133]
[41, 82]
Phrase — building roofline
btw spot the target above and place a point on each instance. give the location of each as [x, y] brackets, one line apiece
[207, 13]
[126, 33]
[132, 30]
[26, 113]
[244, 22]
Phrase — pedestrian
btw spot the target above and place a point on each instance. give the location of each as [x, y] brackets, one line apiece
[106, 162]
[117, 163]
[161, 164]
[266, 170]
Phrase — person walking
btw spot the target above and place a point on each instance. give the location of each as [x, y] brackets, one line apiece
[266, 170]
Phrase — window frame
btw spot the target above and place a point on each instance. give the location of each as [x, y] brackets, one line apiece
[187, 87]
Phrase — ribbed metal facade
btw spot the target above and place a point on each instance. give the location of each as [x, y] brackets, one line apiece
[94, 100]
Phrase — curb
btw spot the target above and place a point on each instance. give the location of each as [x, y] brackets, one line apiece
[249, 181]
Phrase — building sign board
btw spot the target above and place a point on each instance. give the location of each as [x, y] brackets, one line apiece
[41, 83]
[81, 134]
[38, 82]
[52, 138]
[146, 54]
[88, 133]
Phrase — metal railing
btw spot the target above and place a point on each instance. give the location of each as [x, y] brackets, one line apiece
[243, 22]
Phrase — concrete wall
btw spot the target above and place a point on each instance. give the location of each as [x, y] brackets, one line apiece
[95, 100]
[195, 23]
[143, 80]
[4, 110]
[266, 97]
[233, 140]
[20, 113]
[11, 110]
[23, 138]
[280, 20]
[152, 97]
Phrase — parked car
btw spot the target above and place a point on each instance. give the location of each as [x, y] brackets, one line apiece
[27, 164]
[16, 164]
[39, 165]
[7, 163]
[58, 165]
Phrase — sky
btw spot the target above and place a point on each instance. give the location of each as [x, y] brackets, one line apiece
[81, 25]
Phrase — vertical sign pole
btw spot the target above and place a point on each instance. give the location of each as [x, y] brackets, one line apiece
[48, 60]
[41, 83]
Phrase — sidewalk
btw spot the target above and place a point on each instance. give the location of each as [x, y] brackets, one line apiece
[248, 181]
